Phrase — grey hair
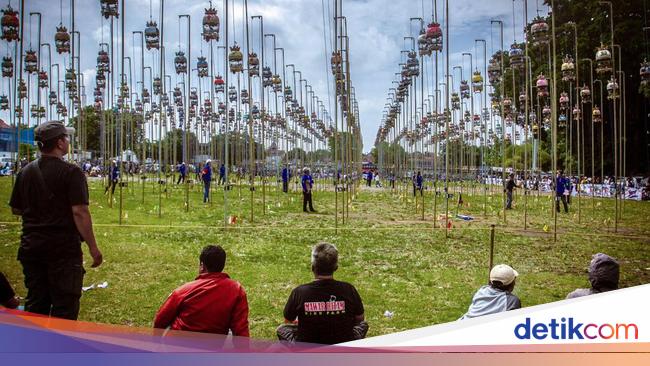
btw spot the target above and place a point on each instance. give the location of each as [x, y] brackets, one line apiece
[324, 258]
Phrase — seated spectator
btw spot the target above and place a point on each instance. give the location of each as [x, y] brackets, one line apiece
[324, 311]
[496, 297]
[603, 275]
[213, 303]
[7, 295]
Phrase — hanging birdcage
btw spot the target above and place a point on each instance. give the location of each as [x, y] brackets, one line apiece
[194, 98]
[22, 89]
[221, 108]
[232, 94]
[561, 121]
[455, 101]
[644, 72]
[244, 96]
[178, 96]
[612, 88]
[146, 97]
[434, 34]
[98, 107]
[219, 84]
[412, 64]
[180, 63]
[336, 61]
[516, 56]
[157, 86]
[564, 101]
[603, 60]
[138, 106]
[253, 64]
[109, 8]
[277, 83]
[235, 58]
[152, 35]
[522, 99]
[43, 80]
[508, 121]
[210, 25]
[7, 67]
[202, 67]
[53, 99]
[477, 81]
[464, 89]
[424, 43]
[288, 93]
[164, 100]
[4, 102]
[542, 86]
[207, 103]
[494, 70]
[568, 69]
[31, 62]
[596, 116]
[507, 105]
[103, 61]
[62, 39]
[585, 95]
[10, 24]
[539, 31]
[100, 79]
[267, 75]
[577, 113]
[535, 130]
[61, 109]
[124, 90]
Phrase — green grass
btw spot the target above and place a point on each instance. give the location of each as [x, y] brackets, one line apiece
[397, 261]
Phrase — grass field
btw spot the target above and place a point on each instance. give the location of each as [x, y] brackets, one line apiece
[397, 261]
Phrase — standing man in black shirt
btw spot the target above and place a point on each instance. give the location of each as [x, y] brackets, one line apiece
[324, 311]
[510, 186]
[51, 195]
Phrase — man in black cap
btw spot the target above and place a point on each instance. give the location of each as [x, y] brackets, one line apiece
[51, 195]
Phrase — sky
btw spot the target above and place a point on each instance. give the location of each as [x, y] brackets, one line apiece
[376, 30]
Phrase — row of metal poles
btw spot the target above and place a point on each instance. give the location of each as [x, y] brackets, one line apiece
[417, 134]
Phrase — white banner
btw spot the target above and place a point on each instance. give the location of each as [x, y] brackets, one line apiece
[619, 316]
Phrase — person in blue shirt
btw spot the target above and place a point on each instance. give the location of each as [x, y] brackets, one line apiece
[286, 176]
[560, 188]
[114, 175]
[182, 170]
[222, 174]
[206, 175]
[369, 178]
[307, 185]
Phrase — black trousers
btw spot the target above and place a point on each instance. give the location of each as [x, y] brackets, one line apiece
[181, 178]
[53, 286]
[285, 186]
[557, 203]
[306, 198]
[289, 332]
[111, 185]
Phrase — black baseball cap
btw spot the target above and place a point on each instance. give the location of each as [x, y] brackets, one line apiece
[50, 130]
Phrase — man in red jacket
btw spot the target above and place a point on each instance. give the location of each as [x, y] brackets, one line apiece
[213, 303]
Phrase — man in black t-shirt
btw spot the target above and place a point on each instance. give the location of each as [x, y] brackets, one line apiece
[52, 198]
[510, 186]
[324, 311]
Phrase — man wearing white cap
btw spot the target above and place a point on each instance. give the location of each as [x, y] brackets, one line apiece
[496, 297]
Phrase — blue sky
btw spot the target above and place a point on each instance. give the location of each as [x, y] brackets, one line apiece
[376, 31]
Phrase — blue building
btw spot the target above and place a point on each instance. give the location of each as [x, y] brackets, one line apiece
[8, 137]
